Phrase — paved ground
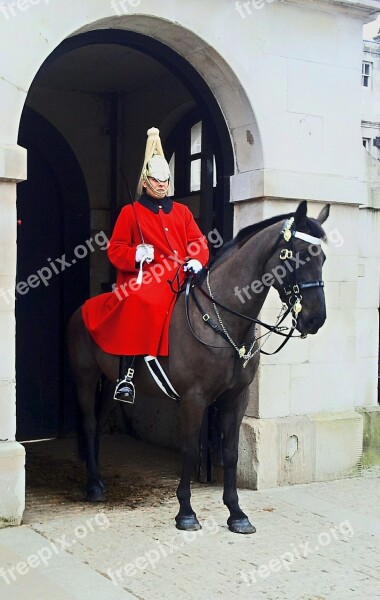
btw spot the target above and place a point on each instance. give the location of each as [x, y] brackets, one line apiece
[313, 542]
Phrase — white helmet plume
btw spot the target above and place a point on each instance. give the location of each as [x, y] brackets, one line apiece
[155, 164]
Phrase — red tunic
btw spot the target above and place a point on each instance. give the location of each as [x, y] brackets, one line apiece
[134, 319]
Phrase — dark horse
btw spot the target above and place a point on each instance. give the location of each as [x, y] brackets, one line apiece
[216, 369]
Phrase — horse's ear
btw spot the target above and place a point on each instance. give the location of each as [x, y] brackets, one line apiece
[323, 214]
[300, 214]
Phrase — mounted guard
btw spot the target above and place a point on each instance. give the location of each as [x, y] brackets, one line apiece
[155, 240]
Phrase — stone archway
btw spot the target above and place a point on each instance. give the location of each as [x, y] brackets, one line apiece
[235, 117]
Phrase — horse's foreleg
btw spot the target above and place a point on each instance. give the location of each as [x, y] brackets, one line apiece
[86, 398]
[231, 412]
[191, 415]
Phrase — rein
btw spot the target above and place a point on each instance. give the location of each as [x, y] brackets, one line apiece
[291, 291]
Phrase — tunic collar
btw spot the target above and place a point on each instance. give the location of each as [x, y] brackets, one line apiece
[154, 205]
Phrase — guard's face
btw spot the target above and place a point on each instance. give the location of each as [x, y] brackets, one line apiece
[157, 189]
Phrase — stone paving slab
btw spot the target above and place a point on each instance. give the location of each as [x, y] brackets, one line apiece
[300, 551]
[32, 568]
[313, 542]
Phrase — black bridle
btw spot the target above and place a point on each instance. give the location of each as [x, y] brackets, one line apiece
[291, 291]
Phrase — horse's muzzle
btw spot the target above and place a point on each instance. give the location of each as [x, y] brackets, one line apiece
[310, 325]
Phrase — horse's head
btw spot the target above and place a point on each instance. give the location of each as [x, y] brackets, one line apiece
[296, 264]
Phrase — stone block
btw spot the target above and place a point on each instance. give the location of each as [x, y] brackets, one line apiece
[8, 252]
[247, 145]
[257, 466]
[347, 294]
[295, 450]
[8, 214]
[340, 268]
[12, 163]
[274, 391]
[342, 230]
[338, 444]
[325, 387]
[302, 449]
[369, 244]
[368, 288]
[367, 336]
[7, 346]
[366, 382]
[12, 483]
[329, 345]
[332, 295]
[7, 409]
[253, 402]
[371, 436]
[7, 294]
[247, 186]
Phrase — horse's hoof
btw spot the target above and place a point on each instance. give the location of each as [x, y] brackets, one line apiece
[187, 523]
[241, 526]
[95, 494]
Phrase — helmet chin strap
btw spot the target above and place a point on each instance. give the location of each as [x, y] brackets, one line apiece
[158, 193]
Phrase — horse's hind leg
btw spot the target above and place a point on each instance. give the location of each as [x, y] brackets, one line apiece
[86, 373]
[191, 415]
[86, 399]
[231, 414]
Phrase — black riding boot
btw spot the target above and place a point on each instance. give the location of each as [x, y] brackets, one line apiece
[125, 389]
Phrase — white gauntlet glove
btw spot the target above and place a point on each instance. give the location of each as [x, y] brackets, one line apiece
[193, 265]
[144, 252]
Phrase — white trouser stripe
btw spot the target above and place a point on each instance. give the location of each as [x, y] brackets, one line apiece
[148, 359]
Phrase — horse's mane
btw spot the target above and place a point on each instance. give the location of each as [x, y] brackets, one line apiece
[247, 232]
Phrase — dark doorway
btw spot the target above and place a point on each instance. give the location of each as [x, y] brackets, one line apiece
[53, 211]
[120, 73]
[217, 152]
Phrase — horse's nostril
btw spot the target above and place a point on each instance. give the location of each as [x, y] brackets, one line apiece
[313, 324]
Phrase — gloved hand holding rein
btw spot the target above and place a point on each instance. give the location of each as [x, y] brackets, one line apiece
[144, 252]
[192, 266]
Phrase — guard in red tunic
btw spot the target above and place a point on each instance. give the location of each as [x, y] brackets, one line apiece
[154, 238]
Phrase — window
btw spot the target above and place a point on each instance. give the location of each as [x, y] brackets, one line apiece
[367, 144]
[191, 148]
[195, 157]
[172, 171]
[366, 74]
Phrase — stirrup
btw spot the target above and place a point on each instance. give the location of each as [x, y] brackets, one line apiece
[125, 391]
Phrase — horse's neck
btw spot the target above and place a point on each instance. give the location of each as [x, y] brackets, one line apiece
[232, 278]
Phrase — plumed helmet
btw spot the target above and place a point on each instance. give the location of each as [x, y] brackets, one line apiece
[158, 168]
[155, 164]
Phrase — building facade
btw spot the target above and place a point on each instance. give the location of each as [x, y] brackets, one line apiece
[370, 107]
[254, 120]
